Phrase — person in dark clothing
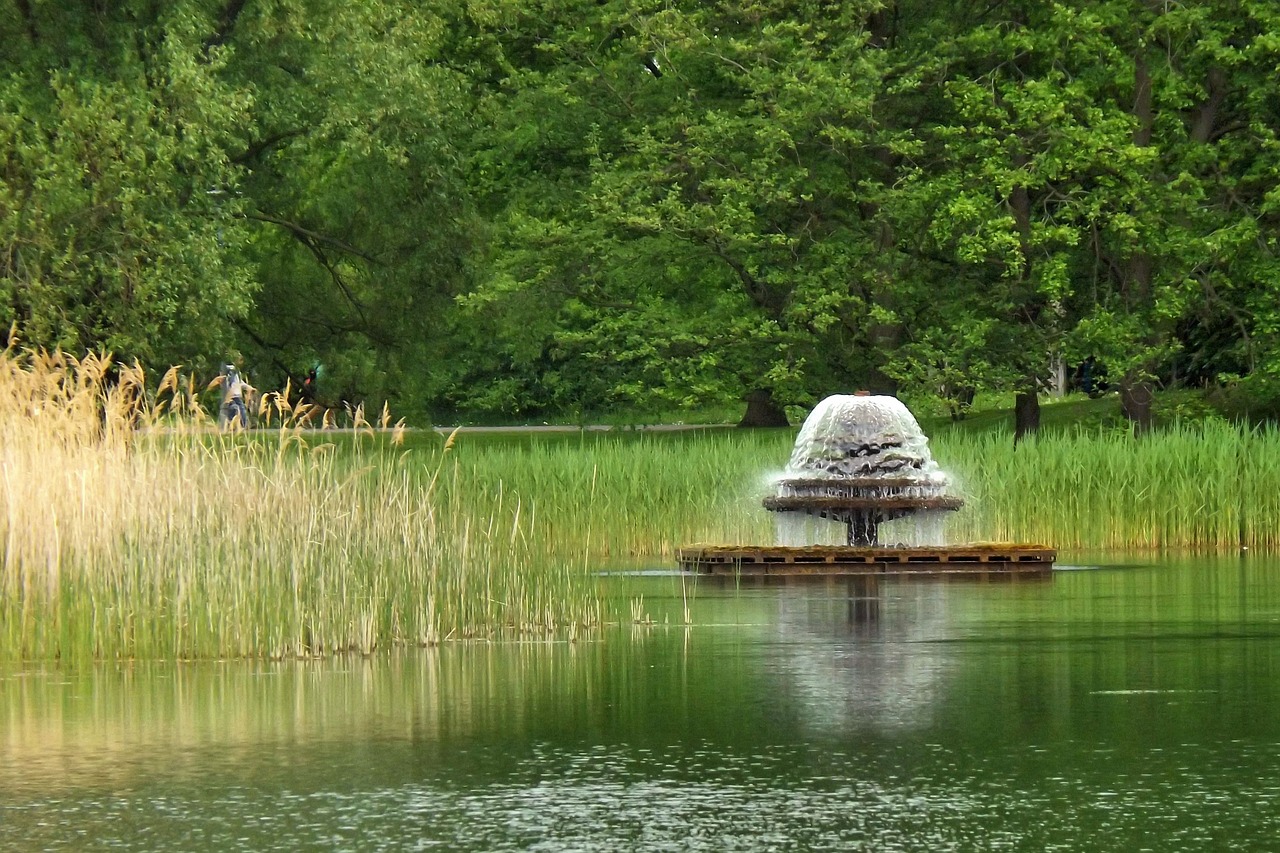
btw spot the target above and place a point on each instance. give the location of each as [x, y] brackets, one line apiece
[308, 390]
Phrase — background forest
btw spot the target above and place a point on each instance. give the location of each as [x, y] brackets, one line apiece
[536, 209]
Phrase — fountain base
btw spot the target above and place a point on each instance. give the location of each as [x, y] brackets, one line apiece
[777, 560]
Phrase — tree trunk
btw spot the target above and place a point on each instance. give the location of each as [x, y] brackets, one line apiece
[1026, 414]
[1135, 402]
[1059, 367]
[763, 411]
[882, 26]
[1143, 106]
[961, 400]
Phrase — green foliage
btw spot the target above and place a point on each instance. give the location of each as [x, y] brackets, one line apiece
[694, 232]
[118, 220]
[535, 210]
[946, 203]
[353, 165]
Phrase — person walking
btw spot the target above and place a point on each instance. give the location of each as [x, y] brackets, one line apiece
[235, 389]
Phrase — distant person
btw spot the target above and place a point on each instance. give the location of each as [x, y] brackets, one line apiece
[1092, 377]
[308, 390]
[234, 390]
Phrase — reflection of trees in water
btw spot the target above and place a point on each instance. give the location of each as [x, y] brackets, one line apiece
[854, 652]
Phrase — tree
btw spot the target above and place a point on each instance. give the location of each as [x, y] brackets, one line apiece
[187, 181]
[117, 227]
[1194, 240]
[1025, 152]
[353, 176]
[697, 173]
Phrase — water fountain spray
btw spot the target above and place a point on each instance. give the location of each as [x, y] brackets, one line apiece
[861, 460]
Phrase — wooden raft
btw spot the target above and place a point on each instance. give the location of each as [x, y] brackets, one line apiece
[756, 560]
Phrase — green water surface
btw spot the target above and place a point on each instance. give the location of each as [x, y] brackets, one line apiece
[1108, 707]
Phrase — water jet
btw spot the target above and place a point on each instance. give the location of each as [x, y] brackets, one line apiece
[859, 462]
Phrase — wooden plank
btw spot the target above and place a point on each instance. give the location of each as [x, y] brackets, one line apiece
[844, 560]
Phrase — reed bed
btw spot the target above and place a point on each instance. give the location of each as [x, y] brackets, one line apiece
[638, 497]
[133, 530]
[1212, 487]
[1207, 488]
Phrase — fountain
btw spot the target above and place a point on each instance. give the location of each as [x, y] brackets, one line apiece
[860, 461]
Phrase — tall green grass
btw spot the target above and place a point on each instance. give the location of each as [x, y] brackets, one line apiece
[639, 496]
[1211, 487]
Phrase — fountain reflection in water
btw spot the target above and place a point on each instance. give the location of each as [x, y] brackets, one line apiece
[861, 474]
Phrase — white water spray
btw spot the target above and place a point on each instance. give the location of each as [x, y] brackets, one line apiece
[861, 473]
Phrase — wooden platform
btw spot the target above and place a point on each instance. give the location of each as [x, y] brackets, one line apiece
[776, 560]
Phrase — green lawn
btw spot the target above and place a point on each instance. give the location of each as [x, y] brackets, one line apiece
[1056, 415]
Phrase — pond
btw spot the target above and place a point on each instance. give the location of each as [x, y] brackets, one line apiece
[1108, 707]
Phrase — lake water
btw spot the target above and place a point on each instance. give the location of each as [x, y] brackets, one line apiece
[1120, 707]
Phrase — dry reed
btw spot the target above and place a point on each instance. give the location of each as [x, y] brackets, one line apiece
[132, 529]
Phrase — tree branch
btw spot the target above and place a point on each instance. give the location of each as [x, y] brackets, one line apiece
[314, 242]
[758, 293]
[255, 150]
[273, 349]
[28, 17]
[1212, 298]
[307, 234]
[226, 23]
[339, 283]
